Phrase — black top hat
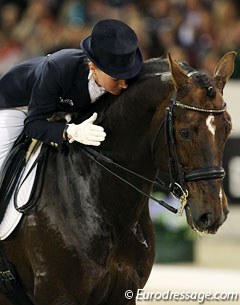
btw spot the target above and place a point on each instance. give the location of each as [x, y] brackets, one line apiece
[113, 48]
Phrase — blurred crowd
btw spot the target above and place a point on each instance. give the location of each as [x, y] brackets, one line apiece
[197, 31]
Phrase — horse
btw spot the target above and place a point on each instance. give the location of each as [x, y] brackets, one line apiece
[90, 238]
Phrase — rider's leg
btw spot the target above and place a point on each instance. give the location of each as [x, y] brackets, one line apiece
[11, 125]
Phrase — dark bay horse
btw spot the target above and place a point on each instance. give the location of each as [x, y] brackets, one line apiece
[90, 237]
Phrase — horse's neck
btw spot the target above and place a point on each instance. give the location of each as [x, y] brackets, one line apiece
[128, 121]
[128, 124]
[129, 137]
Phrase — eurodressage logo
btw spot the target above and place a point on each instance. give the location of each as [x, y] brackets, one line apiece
[199, 297]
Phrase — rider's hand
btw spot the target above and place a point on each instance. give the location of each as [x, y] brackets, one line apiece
[86, 133]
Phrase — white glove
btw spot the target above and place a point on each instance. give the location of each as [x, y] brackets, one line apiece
[87, 133]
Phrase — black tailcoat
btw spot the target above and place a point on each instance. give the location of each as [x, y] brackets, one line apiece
[46, 85]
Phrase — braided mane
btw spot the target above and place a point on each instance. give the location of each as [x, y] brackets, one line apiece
[204, 81]
[159, 66]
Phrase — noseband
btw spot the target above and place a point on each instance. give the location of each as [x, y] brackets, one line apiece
[178, 177]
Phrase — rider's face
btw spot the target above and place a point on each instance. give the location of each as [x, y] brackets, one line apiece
[111, 84]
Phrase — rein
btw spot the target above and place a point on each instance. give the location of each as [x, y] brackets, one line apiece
[178, 177]
[98, 157]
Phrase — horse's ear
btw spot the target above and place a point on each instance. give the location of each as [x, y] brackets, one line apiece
[224, 69]
[179, 77]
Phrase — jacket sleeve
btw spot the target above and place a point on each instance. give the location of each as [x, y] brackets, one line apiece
[44, 99]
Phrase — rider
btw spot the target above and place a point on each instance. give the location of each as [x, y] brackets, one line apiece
[67, 80]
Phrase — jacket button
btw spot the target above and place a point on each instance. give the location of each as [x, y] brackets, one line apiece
[54, 144]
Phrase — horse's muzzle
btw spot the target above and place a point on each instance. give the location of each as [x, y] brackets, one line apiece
[206, 221]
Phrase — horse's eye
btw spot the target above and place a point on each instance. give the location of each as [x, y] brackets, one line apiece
[185, 133]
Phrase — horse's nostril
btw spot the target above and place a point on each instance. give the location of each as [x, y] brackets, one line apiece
[205, 220]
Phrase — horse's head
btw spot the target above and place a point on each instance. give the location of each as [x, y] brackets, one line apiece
[198, 127]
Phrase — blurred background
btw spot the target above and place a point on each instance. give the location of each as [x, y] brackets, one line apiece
[197, 31]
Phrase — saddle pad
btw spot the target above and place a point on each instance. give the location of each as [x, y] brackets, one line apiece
[12, 216]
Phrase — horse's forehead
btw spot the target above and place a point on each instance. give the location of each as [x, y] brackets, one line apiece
[208, 96]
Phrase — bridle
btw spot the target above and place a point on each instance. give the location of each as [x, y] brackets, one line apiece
[177, 176]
